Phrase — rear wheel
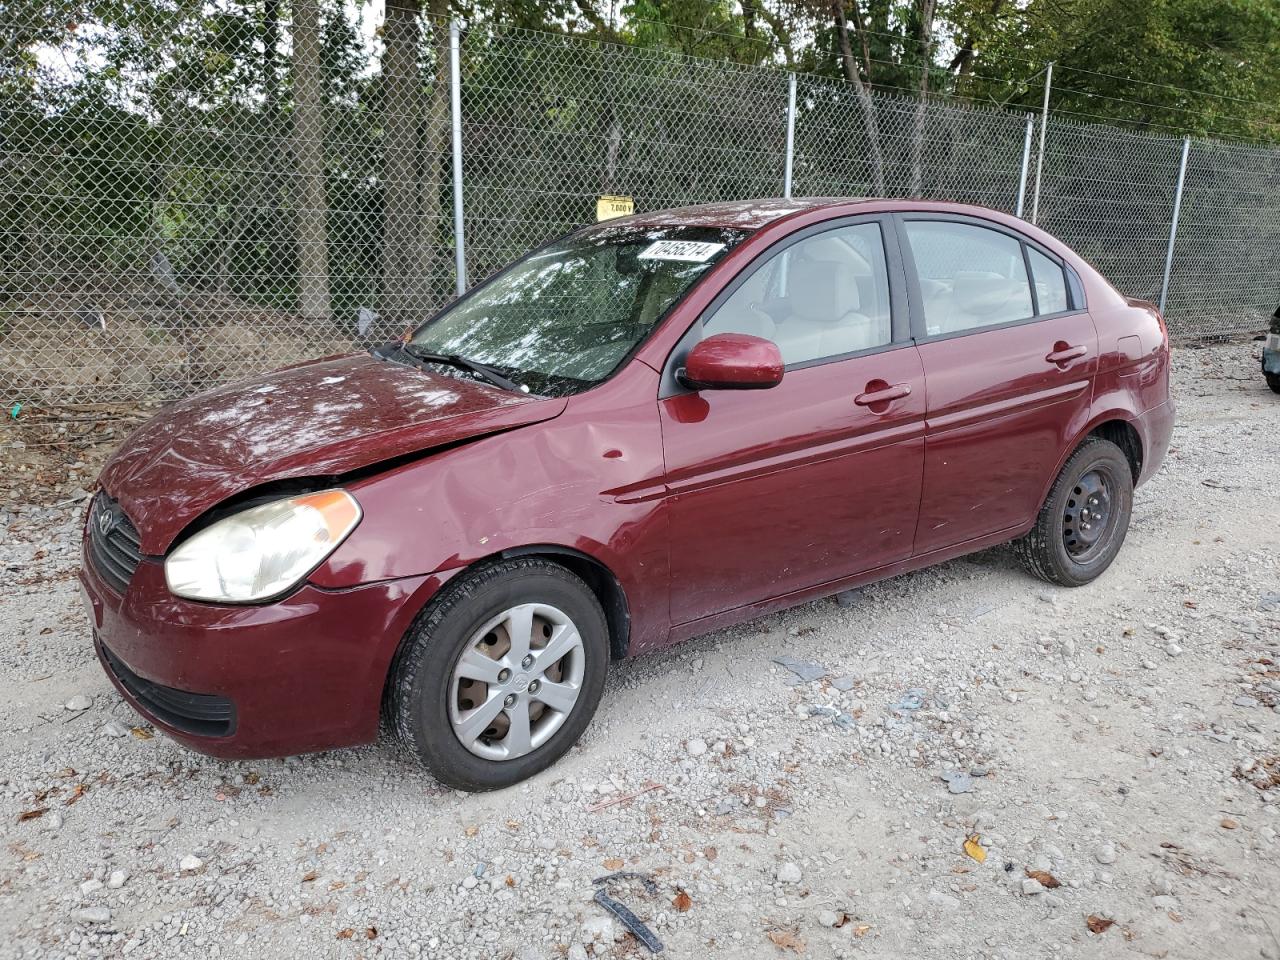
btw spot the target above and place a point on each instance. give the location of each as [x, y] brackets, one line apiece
[501, 675]
[1273, 381]
[1083, 522]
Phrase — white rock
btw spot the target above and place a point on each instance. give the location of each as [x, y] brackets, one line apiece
[696, 747]
[92, 915]
[117, 879]
[789, 873]
[1031, 887]
[828, 918]
[79, 702]
[92, 885]
[1105, 853]
[114, 728]
[190, 862]
[598, 929]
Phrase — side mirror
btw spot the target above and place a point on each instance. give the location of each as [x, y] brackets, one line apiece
[732, 361]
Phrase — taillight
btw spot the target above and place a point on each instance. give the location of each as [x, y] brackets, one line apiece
[1164, 328]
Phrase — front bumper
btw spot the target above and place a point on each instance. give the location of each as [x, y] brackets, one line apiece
[305, 673]
[1271, 354]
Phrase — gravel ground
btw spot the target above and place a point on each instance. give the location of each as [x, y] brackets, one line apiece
[1113, 751]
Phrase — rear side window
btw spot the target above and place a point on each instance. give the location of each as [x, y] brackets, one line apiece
[1051, 284]
[970, 277]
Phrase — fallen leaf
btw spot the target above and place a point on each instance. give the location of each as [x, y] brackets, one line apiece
[308, 877]
[76, 794]
[1229, 824]
[1098, 924]
[252, 778]
[974, 849]
[861, 929]
[371, 933]
[346, 934]
[26, 815]
[337, 885]
[711, 853]
[471, 831]
[511, 881]
[614, 863]
[1047, 879]
[682, 902]
[141, 733]
[787, 940]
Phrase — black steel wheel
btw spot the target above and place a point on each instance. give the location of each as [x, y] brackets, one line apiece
[1083, 521]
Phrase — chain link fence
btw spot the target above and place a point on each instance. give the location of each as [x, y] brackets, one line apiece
[191, 197]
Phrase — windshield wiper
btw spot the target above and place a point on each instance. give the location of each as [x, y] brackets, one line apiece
[462, 363]
[454, 360]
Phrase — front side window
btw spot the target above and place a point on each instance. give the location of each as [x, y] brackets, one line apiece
[563, 318]
[823, 296]
[970, 277]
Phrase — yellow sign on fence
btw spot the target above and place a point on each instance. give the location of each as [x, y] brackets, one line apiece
[609, 207]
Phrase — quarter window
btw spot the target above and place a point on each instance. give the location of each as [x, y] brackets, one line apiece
[970, 277]
[824, 296]
[1051, 285]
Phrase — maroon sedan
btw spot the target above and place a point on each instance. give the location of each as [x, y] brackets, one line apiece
[649, 429]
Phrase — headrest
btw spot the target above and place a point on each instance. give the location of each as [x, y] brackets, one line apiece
[821, 290]
[975, 291]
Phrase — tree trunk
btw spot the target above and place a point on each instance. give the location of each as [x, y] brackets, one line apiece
[927, 10]
[308, 154]
[401, 128]
[415, 129]
[434, 184]
[271, 53]
[865, 99]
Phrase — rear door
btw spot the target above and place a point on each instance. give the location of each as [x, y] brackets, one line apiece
[773, 491]
[1010, 354]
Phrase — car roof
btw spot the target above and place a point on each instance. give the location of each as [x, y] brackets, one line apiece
[754, 214]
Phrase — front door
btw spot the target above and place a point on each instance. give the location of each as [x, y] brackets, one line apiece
[1009, 357]
[772, 491]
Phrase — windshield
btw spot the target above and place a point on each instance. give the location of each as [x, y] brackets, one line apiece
[563, 318]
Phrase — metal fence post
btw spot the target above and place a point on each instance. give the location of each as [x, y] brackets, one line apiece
[455, 98]
[1173, 226]
[791, 136]
[1026, 163]
[1044, 122]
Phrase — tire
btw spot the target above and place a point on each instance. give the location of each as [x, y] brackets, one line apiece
[1273, 381]
[433, 709]
[1064, 547]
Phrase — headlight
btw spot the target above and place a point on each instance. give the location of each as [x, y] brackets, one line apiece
[261, 552]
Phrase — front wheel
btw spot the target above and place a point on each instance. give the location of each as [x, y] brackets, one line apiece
[501, 675]
[1084, 519]
[1273, 381]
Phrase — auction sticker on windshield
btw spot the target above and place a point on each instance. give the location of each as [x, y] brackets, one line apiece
[688, 251]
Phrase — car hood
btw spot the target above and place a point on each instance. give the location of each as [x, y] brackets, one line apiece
[317, 419]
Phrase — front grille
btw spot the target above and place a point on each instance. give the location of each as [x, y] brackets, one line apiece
[114, 544]
[200, 714]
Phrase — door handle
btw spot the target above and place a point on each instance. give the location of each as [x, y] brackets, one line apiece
[1064, 353]
[882, 394]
